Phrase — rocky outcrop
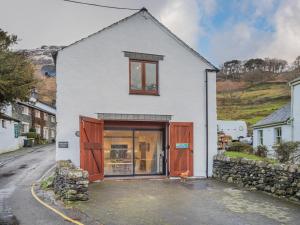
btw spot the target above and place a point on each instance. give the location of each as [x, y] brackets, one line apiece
[70, 183]
[279, 179]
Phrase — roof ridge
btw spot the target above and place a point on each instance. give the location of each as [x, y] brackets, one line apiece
[155, 20]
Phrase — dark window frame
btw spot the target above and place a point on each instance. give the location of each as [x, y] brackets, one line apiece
[144, 91]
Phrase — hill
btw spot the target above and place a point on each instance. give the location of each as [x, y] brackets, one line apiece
[250, 102]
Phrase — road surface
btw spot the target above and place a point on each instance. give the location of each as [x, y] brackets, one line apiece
[17, 173]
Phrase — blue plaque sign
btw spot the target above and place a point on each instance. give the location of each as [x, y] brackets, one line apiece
[182, 145]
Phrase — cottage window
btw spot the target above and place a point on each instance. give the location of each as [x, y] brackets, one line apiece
[3, 123]
[260, 137]
[45, 116]
[38, 129]
[143, 77]
[25, 127]
[37, 114]
[52, 133]
[25, 110]
[45, 133]
[52, 118]
[278, 135]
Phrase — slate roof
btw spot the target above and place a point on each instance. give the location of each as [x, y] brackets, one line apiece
[279, 116]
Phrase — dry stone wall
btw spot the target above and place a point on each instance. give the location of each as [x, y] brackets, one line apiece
[279, 179]
[70, 183]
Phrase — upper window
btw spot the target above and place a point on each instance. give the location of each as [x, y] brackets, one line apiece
[37, 114]
[25, 110]
[52, 119]
[45, 116]
[143, 77]
[278, 135]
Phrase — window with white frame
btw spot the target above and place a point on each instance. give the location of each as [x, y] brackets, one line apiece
[52, 133]
[38, 129]
[278, 135]
[37, 114]
[3, 123]
[45, 116]
[46, 133]
[25, 127]
[53, 119]
[260, 137]
[25, 110]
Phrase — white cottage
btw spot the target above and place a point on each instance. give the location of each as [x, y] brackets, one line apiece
[282, 125]
[133, 99]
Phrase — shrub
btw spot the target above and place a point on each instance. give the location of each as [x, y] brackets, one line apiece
[287, 151]
[240, 147]
[32, 129]
[261, 151]
[31, 135]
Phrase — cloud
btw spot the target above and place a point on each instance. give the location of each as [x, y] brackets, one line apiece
[237, 41]
[60, 23]
[285, 42]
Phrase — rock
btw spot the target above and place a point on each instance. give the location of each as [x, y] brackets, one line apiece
[230, 180]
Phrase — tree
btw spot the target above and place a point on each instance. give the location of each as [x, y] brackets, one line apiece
[296, 63]
[16, 73]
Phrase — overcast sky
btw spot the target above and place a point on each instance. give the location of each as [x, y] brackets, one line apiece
[219, 29]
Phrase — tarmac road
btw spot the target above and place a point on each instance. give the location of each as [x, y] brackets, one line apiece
[18, 171]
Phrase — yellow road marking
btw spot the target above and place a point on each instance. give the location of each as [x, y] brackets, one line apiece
[52, 209]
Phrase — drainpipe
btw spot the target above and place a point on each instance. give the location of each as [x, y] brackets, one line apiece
[206, 114]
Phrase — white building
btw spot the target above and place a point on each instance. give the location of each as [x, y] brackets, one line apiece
[148, 96]
[10, 139]
[281, 125]
[235, 128]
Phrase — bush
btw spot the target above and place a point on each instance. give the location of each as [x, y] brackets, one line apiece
[287, 151]
[261, 151]
[240, 147]
[32, 129]
[31, 135]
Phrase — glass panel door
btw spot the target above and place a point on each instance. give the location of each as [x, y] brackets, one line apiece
[118, 152]
[148, 152]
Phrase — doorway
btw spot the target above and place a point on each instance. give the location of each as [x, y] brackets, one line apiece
[132, 152]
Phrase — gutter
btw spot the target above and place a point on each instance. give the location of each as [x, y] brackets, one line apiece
[206, 114]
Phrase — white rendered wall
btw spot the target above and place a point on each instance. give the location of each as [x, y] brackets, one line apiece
[92, 77]
[233, 128]
[8, 142]
[296, 111]
[269, 136]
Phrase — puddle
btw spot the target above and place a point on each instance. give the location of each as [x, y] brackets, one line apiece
[23, 166]
[7, 174]
[235, 201]
[196, 185]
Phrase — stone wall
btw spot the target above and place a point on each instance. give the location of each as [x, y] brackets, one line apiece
[279, 179]
[70, 183]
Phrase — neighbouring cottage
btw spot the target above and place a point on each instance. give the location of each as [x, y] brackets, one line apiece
[9, 131]
[281, 125]
[17, 118]
[133, 99]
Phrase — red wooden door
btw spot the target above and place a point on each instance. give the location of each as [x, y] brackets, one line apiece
[91, 147]
[181, 148]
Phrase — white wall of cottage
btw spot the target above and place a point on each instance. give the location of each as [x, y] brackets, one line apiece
[93, 77]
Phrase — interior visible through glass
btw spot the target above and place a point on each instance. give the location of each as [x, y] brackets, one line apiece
[137, 152]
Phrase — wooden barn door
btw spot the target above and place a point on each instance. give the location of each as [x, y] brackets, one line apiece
[181, 148]
[91, 147]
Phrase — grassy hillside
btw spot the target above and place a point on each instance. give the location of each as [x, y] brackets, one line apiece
[248, 102]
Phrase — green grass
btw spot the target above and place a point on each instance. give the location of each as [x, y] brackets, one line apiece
[253, 103]
[248, 156]
[47, 183]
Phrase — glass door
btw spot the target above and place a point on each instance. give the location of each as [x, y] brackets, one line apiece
[148, 152]
[118, 152]
[133, 152]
